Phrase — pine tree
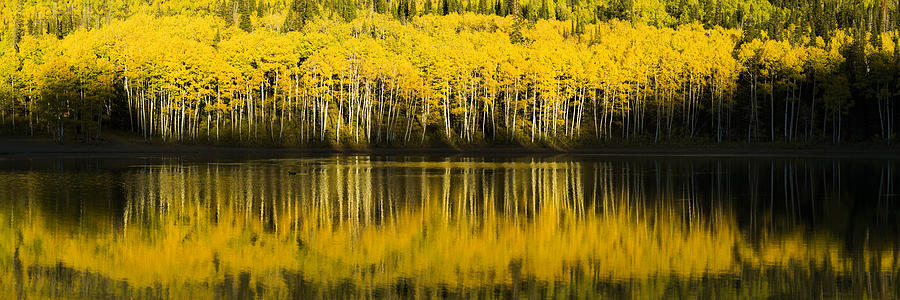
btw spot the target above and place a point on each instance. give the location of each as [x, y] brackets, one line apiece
[529, 13]
[251, 6]
[347, 9]
[399, 11]
[508, 7]
[380, 6]
[301, 11]
[261, 10]
[226, 13]
[217, 38]
[579, 25]
[246, 10]
[544, 11]
[18, 27]
[428, 7]
[516, 35]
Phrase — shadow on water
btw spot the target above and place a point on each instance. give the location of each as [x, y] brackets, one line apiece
[370, 226]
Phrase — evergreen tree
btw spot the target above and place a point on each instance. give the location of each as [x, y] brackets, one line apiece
[217, 38]
[544, 11]
[561, 12]
[529, 13]
[579, 25]
[251, 6]
[347, 9]
[226, 12]
[428, 7]
[246, 25]
[399, 10]
[261, 10]
[381, 6]
[300, 12]
[18, 27]
[508, 7]
[516, 35]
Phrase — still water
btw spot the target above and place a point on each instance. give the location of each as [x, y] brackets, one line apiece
[413, 226]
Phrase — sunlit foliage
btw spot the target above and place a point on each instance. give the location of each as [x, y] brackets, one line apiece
[449, 72]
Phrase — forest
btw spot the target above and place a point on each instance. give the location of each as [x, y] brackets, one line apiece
[451, 72]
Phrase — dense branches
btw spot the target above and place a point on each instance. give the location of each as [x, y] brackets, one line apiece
[303, 79]
[779, 19]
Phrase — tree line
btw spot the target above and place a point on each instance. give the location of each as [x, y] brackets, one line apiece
[243, 74]
[778, 17]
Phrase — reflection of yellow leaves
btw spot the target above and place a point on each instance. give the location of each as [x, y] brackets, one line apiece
[332, 226]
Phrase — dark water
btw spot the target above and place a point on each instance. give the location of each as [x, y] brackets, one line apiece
[491, 227]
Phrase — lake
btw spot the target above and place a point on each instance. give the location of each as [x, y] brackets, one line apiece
[364, 226]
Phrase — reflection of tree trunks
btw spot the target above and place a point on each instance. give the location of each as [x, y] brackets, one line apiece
[382, 213]
[18, 275]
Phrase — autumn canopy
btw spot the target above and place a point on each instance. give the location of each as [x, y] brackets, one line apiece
[344, 72]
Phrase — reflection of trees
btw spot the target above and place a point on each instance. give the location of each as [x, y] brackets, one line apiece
[465, 226]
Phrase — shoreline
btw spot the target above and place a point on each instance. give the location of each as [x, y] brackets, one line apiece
[19, 147]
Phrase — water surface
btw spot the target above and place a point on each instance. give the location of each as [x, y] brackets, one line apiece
[461, 226]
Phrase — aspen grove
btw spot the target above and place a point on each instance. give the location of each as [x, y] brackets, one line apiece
[457, 79]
